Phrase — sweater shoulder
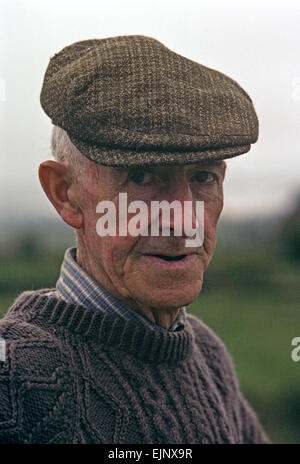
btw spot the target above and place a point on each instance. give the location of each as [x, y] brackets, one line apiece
[24, 303]
[17, 327]
[31, 349]
[204, 335]
[215, 354]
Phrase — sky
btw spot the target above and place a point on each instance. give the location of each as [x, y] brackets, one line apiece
[254, 42]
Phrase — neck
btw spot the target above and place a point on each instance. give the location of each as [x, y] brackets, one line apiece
[162, 317]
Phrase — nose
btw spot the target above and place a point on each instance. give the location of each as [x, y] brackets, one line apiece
[183, 217]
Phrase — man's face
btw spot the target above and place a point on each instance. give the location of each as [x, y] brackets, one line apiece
[128, 266]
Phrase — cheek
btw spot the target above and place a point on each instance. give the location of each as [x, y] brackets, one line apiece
[212, 211]
[111, 252]
[116, 256]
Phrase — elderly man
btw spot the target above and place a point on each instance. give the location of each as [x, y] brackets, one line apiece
[110, 354]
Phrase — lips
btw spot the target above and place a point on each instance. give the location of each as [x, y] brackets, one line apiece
[171, 263]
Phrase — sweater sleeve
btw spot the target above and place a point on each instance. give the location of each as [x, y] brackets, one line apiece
[252, 431]
[10, 432]
[249, 430]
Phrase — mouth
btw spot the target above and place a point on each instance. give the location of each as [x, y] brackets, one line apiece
[170, 258]
[171, 263]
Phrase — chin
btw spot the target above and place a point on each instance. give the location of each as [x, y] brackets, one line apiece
[171, 298]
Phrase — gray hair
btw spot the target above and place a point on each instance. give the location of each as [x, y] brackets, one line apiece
[63, 149]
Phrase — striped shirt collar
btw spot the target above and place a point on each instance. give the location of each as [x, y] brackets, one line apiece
[74, 285]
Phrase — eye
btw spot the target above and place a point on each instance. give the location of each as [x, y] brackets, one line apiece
[204, 177]
[141, 177]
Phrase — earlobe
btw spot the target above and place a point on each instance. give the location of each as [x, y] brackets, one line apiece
[56, 182]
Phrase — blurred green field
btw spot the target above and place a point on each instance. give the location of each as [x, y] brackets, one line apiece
[251, 299]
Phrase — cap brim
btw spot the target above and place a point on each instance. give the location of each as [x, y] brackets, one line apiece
[126, 157]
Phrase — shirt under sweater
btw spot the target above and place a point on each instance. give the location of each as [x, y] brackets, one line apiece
[72, 375]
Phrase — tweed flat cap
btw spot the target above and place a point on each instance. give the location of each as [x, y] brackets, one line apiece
[131, 101]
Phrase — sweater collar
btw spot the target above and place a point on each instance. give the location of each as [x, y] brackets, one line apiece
[105, 329]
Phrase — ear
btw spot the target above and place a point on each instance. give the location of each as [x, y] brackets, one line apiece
[56, 180]
[224, 170]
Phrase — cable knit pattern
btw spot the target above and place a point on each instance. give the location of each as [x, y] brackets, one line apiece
[75, 376]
